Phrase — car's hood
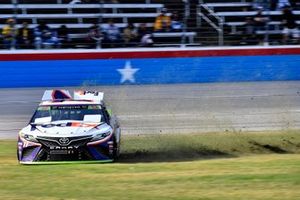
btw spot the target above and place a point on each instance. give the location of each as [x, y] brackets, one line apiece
[65, 129]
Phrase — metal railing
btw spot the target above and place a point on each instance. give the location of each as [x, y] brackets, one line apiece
[219, 26]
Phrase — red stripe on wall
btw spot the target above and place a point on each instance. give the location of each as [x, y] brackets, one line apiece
[147, 54]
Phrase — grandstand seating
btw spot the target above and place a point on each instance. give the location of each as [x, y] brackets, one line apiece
[234, 25]
[52, 12]
[80, 17]
[78, 26]
[190, 35]
[234, 16]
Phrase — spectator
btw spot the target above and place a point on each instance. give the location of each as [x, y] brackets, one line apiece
[279, 4]
[9, 34]
[45, 37]
[142, 30]
[176, 24]
[63, 36]
[294, 3]
[162, 22]
[147, 40]
[112, 36]
[95, 36]
[249, 36]
[249, 26]
[39, 32]
[261, 4]
[144, 36]
[289, 25]
[130, 35]
[273, 4]
[253, 24]
[282, 4]
[25, 37]
[259, 21]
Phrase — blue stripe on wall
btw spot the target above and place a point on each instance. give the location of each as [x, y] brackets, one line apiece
[151, 71]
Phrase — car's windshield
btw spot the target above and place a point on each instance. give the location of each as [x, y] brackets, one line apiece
[88, 113]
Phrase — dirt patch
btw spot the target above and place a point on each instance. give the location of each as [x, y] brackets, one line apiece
[171, 155]
[272, 148]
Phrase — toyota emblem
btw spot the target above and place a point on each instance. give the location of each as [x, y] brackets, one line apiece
[64, 141]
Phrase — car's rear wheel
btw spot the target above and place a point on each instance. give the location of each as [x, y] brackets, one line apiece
[18, 154]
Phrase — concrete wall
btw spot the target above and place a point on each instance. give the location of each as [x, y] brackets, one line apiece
[147, 66]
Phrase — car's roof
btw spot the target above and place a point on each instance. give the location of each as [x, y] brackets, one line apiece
[68, 102]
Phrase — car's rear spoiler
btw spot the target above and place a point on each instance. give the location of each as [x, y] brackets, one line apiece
[52, 95]
[89, 95]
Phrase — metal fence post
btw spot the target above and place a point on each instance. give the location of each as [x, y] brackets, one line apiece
[14, 39]
[186, 15]
[221, 31]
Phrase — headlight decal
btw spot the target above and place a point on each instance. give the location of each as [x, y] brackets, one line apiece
[101, 136]
[28, 140]
[101, 140]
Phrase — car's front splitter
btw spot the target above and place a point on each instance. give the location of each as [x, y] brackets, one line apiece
[65, 162]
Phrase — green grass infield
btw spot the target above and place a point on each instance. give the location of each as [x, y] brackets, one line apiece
[213, 166]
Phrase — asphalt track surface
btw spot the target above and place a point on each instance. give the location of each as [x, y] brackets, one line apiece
[183, 108]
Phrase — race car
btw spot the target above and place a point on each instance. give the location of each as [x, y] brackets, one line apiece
[70, 129]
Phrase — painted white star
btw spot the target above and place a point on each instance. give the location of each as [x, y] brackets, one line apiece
[127, 73]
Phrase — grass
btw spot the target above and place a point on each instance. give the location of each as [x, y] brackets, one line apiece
[217, 166]
[149, 148]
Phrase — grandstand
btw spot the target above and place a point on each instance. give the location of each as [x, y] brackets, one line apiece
[229, 17]
[205, 22]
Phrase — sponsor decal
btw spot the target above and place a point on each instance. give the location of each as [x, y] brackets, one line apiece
[71, 124]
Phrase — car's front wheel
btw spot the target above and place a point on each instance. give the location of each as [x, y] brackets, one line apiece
[116, 150]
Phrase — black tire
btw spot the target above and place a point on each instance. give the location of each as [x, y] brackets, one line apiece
[18, 157]
[116, 150]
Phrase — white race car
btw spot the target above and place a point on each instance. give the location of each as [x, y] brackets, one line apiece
[70, 129]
